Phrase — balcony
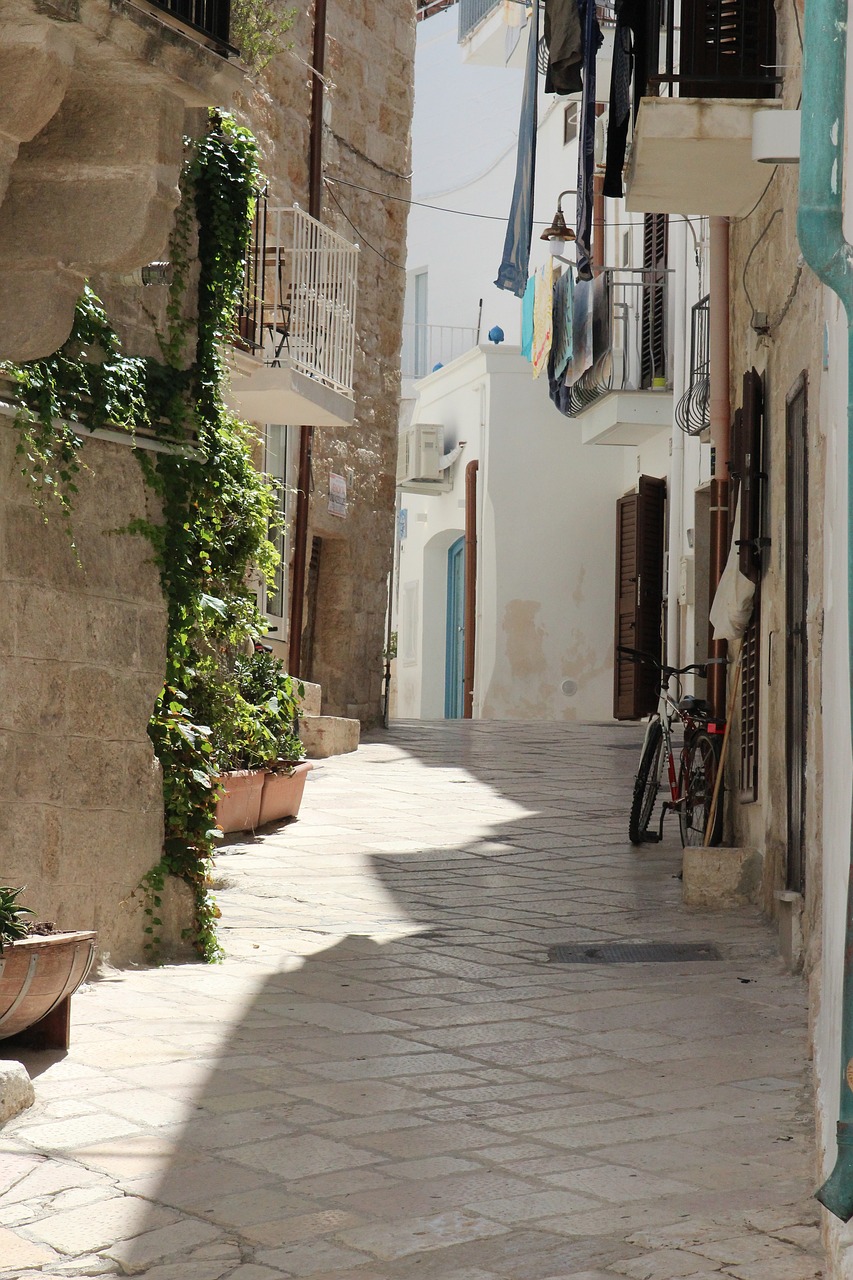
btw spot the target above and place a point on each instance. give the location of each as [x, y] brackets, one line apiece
[712, 65]
[427, 346]
[625, 396]
[292, 355]
[210, 19]
[491, 32]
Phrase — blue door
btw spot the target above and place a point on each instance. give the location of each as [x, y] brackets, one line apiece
[455, 664]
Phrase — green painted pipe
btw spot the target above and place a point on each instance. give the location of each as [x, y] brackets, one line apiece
[819, 229]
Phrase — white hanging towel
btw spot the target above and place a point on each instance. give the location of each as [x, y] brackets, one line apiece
[733, 601]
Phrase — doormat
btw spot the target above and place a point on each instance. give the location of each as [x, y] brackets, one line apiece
[631, 952]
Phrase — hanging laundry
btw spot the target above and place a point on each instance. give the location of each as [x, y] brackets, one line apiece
[512, 273]
[592, 39]
[629, 38]
[582, 342]
[527, 319]
[562, 339]
[543, 302]
[562, 30]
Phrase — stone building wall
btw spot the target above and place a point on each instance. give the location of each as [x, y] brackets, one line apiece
[767, 274]
[369, 70]
[82, 655]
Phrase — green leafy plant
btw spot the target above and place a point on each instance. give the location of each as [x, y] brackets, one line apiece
[258, 29]
[217, 509]
[13, 922]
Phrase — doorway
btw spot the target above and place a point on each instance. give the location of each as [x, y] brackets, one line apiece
[455, 651]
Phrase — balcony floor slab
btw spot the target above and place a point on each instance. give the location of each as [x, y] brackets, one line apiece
[694, 156]
[626, 417]
[281, 393]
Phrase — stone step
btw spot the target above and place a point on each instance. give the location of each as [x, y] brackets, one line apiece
[324, 736]
[311, 702]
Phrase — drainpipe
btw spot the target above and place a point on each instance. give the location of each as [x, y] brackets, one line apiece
[470, 588]
[306, 433]
[819, 229]
[719, 413]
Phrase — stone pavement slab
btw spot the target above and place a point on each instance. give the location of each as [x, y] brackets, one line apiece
[389, 1078]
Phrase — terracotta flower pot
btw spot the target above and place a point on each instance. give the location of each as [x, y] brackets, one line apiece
[239, 807]
[38, 977]
[283, 793]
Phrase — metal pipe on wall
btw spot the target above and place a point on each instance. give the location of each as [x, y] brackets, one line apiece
[470, 589]
[720, 415]
[306, 433]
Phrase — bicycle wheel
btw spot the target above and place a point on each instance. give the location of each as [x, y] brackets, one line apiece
[646, 785]
[696, 787]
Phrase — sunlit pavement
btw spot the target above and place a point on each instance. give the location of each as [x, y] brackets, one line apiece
[389, 1078]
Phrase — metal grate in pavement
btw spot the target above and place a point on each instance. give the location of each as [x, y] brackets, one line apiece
[631, 952]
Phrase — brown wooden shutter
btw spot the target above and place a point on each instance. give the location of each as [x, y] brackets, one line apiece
[640, 521]
[655, 253]
[729, 46]
[796, 603]
[747, 468]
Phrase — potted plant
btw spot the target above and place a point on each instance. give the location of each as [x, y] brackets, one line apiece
[40, 969]
[252, 713]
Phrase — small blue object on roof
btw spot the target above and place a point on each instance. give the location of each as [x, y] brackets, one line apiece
[436, 367]
[496, 334]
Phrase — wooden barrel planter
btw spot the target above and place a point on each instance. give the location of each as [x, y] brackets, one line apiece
[38, 977]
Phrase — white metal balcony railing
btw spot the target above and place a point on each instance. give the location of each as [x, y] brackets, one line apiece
[428, 345]
[299, 296]
[625, 325]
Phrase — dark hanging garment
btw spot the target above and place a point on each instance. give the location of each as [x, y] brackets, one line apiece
[592, 39]
[513, 271]
[562, 31]
[630, 46]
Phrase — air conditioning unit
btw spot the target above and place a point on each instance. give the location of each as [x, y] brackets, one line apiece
[421, 449]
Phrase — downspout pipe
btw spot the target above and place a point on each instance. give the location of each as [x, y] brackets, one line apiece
[720, 416]
[830, 255]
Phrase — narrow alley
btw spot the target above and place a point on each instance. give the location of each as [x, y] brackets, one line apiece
[391, 1075]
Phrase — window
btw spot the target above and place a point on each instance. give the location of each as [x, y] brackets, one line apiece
[276, 465]
[570, 123]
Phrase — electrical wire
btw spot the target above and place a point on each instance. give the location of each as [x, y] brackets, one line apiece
[774, 215]
[361, 238]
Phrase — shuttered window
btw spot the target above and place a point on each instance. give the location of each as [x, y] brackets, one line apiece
[640, 521]
[796, 601]
[748, 487]
[655, 251]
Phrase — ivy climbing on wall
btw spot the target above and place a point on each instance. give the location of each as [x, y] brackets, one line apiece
[217, 507]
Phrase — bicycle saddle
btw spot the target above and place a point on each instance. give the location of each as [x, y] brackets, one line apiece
[697, 708]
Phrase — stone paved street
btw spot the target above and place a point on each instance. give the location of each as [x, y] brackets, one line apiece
[388, 1078]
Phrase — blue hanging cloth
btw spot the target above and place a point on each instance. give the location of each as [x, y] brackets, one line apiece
[512, 273]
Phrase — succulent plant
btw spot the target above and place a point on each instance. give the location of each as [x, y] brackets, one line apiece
[13, 922]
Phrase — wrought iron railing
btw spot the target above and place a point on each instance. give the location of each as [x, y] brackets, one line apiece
[426, 8]
[620, 328]
[692, 413]
[299, 295]
[428, 345]
[712, 49]
[212, 18]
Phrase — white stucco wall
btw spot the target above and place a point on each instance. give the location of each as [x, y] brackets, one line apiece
[546, 532]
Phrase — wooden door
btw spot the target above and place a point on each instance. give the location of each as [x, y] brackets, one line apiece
[796, 593]
[454, 702]
[640, 521]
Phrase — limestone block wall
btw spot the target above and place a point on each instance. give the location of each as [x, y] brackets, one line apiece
[369, 69]
[91, 121]
[82, 653]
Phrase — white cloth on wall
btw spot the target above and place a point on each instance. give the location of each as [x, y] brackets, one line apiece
[735, 595]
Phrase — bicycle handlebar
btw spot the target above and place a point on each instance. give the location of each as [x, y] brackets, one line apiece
[637, 655]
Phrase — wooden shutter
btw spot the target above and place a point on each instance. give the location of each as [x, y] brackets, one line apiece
[729, 46]
[796, 593]
[747, 468]
[640, 521]
[655, 252]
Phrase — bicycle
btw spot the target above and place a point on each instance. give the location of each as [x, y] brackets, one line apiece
[692, 787]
